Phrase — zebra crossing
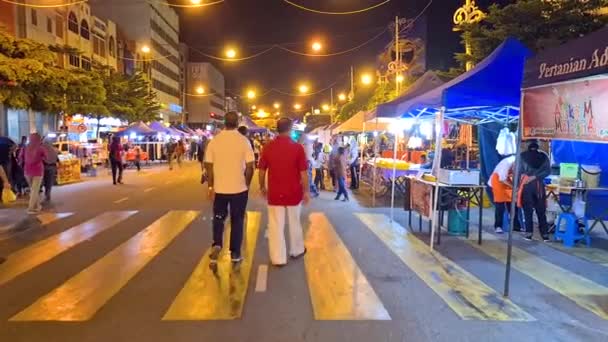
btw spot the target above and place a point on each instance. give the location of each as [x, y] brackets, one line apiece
[339, 289]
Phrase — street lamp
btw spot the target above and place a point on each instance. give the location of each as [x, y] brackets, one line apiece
[251, 94]
[316, 46]
[303, 88]
[366, 79]
[195, 2]
[200, 90]
[317, 111]
[277, 105]
[230, 53]
[145, 49]
[325, 107]
[297, 106]
[342, 97]
[254, 107]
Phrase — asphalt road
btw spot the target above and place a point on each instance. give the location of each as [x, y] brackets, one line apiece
[128, 263]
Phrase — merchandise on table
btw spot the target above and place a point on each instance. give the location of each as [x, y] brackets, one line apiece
[68, 169]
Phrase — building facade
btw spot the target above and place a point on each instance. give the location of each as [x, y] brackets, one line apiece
[73, 26]
[208, 107]
[155, 26]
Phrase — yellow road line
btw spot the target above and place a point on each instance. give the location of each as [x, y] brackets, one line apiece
[594, 255]
[80, 297]
[42, 251]
[48, 218]
[338, 288]
[220, 295]
[584, 292]
[469, 297]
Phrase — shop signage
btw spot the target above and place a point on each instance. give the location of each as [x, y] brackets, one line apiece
[82, 128]
[567, 111]
[579, 58]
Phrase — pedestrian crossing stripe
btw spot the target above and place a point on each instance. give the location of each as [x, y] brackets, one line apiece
[42, 251]
[48, 218]
[594, 255]
[220, 295]
[584, 292]
[80, 297]
[465, 294]
[338, 288]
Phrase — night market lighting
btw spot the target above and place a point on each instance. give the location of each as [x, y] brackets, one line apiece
[317, 111]
[303, 88]
[200, 90]
[399, 78]
[342, 97]
[366, 79]
[325, 107]
[338, 13]
[195, 2]
[276, 105]
[251, 94]
[297, 106]
[230, 53]
[254, 107]
[316, 46]
[65, 4]
[145, 49]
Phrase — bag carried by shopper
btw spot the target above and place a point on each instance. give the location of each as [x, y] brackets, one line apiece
[8, 196]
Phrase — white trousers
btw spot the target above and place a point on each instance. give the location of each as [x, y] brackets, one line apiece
[276, 233]
[35, 183]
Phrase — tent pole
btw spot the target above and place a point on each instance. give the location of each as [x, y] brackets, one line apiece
[376, 150]
[436, 167]
[362, 147]
[516, 181]
[394, 173]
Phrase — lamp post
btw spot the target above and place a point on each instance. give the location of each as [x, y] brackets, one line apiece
[469, 13]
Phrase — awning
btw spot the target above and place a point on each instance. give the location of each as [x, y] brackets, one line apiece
[356, 124]
[137, 128]
[159, 127]
[490, 91]
[394, 109]
[251, 126]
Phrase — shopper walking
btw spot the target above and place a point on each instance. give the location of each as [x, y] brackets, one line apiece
[319, 164]
[32, 159]
[50, 168]
[115, 156]
[332, 166]
[229, 163]
[288, 187]
[170, 150]
[340, 165]
[180, 151]
[308, 152]
[502, 190]
[353, 163]
[535, 167]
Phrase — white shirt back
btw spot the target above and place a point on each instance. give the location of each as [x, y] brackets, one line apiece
[503, 168]
[229, 152]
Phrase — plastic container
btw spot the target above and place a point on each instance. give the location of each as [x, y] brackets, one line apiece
[590, 174]
[457, 222]
[568, 170]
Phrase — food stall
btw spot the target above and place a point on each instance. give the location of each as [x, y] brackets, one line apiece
[68, 169]
[467, 99]
[565, 100]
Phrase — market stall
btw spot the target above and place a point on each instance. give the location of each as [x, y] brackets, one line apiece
[468, 99]
[251, 126]
[68, 169]
[565, 99]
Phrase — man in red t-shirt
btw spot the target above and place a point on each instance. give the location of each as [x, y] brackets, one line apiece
[287, 166]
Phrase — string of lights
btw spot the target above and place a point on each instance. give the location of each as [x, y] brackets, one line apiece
[337, 13]
[193, 4]
[335, 53]
[233, 59]
[64, 4]
[145, 59]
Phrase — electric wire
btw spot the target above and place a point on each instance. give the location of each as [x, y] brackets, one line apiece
[337, 13]
[166, 3]
[13, 2]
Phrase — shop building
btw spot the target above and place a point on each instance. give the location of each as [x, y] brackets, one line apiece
[155, 26]
[208, 107]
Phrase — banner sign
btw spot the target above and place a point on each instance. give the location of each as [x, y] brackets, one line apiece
[420, 196]
[583, 57]
[567, 111]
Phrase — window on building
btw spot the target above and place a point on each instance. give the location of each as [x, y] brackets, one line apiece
[112, 47]
[49, 25]
[86, 63]
[84, 30]
[99, 47]
[34, 17]
[75, 61]
[72, 22]
[59, 26]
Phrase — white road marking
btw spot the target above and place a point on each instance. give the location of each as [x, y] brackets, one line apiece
[149, 189]
[262, 279]
[121, 200]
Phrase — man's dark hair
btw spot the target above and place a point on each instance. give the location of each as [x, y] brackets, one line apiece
[533, 145]
[243, 130]
[341, 150]
[284, 125]
[231, 120]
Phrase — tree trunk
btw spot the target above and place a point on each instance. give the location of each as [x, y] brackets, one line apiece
[98, 125]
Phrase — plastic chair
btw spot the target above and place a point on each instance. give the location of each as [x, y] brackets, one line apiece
[570, 236]
[596, 210]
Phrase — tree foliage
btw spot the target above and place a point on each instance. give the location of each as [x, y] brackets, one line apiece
[30, 78]
[538, 24]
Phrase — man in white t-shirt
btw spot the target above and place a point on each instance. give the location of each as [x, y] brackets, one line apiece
[229, 162]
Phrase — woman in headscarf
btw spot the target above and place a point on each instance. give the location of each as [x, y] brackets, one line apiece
[32, 158]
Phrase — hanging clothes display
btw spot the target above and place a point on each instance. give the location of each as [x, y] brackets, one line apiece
[506, 142]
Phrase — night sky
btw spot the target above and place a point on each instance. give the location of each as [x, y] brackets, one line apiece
[254, 25]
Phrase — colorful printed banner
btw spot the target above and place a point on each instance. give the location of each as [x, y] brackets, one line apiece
[568, 111]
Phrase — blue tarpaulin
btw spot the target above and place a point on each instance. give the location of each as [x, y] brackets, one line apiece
[490, 91]
[393, 109]
[585, 153]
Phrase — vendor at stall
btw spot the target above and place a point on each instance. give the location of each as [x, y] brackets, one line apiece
[502, 190]
[535, 167]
